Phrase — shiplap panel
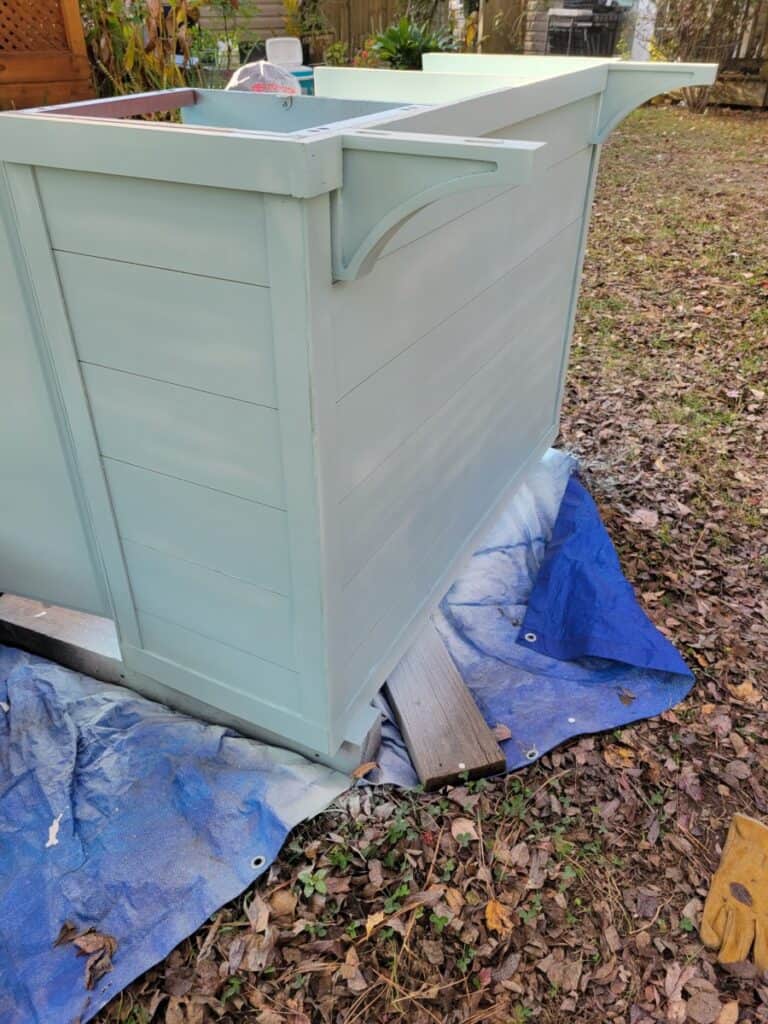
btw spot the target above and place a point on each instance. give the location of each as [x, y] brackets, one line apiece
[217, 606]
[409, 292]
[235, 669]
[198, 331]
[216, 530]
[388, 520]
[464, 461]
[425, 584]
[215, 232]
[381, 413]
[219, 442]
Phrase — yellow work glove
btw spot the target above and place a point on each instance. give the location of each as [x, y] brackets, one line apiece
[736, 911]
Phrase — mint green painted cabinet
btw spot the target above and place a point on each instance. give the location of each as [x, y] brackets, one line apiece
[284, 361]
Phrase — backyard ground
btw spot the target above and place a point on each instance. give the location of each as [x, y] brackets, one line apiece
[572, 891]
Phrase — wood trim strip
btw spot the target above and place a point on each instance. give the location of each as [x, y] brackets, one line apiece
[125, 106]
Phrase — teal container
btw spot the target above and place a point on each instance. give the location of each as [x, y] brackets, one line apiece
[269, 373]
[306, 79]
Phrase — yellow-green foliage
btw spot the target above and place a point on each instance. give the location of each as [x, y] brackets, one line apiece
[292, 14]
[132, 45]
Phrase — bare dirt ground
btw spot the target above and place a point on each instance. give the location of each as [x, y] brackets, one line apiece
[572, 891]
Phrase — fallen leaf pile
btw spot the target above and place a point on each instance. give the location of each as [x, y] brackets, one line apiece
[96, 946]
[572, 891]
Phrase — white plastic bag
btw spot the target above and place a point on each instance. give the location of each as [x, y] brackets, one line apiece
[262, 76]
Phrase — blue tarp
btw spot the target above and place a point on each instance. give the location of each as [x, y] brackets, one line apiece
[119, 814]
[592, 661]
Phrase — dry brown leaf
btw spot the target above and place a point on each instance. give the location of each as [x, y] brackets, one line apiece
[94, 942]
[497, 917]
[283, 902]
[619, 756]
[464, 827]
[704, 1007]
[351, 972]
[677, 1011]
[258, 911]
[746, 691]
[454, 899]
[364, 769]
[67, 932]
[645, 518]
[259, 950]
[373, 921]
[433, 951]
[502, 732]
[729, 1013]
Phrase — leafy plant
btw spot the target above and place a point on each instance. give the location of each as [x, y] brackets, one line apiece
[132, 47]
[367, 56]
[313, 881]
[230, 11]
[402, 44]
[464, 962]
[313, 19]
[394, 901]
[337, 54]
[292, 17]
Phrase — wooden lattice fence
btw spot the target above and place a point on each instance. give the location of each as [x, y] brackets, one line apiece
[42, 53]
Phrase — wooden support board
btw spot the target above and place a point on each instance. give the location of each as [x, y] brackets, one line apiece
[446, 735]
[85, 643]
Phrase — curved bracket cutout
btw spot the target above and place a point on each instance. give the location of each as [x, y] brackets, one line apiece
[631, 83]
[389, 176]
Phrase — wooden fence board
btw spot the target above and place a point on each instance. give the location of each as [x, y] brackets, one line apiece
[42, 53]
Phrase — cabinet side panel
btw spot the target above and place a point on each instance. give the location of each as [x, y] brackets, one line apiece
[448, 363]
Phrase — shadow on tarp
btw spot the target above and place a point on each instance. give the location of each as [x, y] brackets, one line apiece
[119, 814]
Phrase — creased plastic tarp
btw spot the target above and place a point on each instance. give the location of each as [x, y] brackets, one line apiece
[119, 814]
[548, 572]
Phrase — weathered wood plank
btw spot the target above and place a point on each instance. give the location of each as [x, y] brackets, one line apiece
[85, 643]
[444, 731]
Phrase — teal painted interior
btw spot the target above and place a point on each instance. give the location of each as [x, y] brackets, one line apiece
[279, 366]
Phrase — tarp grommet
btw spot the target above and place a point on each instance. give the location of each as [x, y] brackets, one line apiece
[258, 862]
[531, 638]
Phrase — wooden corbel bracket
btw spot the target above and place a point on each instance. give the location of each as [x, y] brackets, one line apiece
[632, 83]
[389, 176]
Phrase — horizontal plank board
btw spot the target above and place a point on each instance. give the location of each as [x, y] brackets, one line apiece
[219, 442]
[185, 329]
[43, 67]
[447, 737]
[220, 531]
[382, 412]
[450, 472]
[20, 95]
[214, 232]
[409, 292]
[217, 606]
[236, 669]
